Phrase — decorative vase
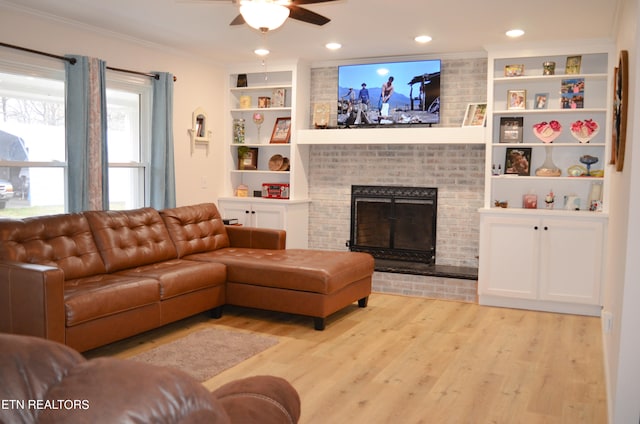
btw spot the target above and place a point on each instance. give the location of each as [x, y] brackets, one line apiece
[548, 168]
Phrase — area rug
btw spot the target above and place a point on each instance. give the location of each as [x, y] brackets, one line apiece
[206, 353]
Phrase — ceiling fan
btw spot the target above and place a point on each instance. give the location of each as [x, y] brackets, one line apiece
[254, 12]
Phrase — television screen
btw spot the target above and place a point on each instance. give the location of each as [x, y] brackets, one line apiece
[390, 93]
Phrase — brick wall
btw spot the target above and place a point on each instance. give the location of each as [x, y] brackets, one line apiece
[456, 170]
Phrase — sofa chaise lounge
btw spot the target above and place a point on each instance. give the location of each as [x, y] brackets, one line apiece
[91, 278]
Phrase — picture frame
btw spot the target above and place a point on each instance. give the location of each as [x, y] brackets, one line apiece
[573, 65]
[247, 158]
[514, 70]
[281, 131]
[518, 161]
[541, 101]
[321, 115]
[572, 93]
[511, 129]
[476, 115]
[620, 111]
[516, 99]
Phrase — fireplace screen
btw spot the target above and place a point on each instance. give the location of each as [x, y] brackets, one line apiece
[396, 223]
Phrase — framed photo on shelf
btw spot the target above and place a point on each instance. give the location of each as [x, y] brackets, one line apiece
[511, 129]
[281, 131]
[476, 115]
[516, 99]
[573, 65]
[247, 158]
[513, 70]
[321, 114]
[518, 161]
[572, 93]
[541, 100]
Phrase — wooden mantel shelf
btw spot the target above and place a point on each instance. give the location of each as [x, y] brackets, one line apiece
[381, 135]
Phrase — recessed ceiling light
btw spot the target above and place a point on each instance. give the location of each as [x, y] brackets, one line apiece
[513, 33]
[261, 52]
[333, 46]
[422, 39]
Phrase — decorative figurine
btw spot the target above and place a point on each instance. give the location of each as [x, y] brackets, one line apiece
[549, 200]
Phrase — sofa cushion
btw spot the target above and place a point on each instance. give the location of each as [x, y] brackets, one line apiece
[63, 241]
[317, 271]
[178, 276]
[127, 239]
[90, 298]
[195, 229]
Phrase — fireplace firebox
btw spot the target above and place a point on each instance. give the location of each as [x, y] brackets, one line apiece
[394, 223]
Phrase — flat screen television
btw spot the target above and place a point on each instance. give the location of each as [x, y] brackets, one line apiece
[389, 93]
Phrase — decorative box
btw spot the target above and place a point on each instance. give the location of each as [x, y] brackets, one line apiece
[275, 190]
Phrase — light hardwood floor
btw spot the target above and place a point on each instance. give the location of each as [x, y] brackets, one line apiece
[415, 360]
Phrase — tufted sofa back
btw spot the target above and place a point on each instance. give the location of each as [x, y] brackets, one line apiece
[126, 239]
[64, 241]
[195, 229]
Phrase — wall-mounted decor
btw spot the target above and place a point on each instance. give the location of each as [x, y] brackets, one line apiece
[281, 131]
[620, 99]
[199, 131]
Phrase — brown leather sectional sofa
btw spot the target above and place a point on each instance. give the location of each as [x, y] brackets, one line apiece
[46, 382]
[92, 278]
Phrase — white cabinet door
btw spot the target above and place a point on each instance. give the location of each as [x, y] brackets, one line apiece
[268, 216]
[550, 263]
[509, 256]
[280, 215]
[239, 211]
[571, 260]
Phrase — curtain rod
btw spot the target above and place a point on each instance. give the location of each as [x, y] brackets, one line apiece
[72, 61]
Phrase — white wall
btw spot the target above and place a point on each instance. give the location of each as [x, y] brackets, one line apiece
[622, 289]
[198, 177]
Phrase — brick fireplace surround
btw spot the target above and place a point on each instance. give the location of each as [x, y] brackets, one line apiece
[456, 170]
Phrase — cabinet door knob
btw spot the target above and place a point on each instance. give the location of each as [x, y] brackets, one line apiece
[253, 212]
[535, 228]
[546, 228]
[246, 211]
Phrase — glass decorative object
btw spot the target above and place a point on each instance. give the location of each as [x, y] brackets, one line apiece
[548, 168]
[238, 131]
[588, 160]
[258, 119]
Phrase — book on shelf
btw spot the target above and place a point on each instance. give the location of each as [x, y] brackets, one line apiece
[230, 221]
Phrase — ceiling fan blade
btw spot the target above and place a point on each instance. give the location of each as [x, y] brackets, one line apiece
[306, 15]
[238, 20]
[299, 2]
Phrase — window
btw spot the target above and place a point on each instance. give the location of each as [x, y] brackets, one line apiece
[33, 167]
[128, 137]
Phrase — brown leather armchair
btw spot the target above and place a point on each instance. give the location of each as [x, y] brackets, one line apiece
[46, 382]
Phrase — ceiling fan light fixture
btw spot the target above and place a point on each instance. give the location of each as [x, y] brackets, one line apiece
[263, 15]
